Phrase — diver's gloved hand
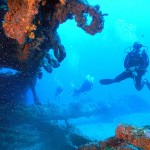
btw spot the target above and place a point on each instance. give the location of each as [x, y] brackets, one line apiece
[131, 69]
[134, 73]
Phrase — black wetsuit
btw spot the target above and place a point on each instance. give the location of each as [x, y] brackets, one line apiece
[136, 59]
[85, 87]
[58, 91]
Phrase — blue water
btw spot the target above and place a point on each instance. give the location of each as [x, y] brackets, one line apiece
[101, 56]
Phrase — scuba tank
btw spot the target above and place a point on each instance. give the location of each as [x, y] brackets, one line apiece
[130, 49]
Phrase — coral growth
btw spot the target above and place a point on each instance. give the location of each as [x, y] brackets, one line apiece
[29, 31]
[18, 20]
[134, 135]
[127, 138]
[80, 11]
[63, 2]
[35, 23]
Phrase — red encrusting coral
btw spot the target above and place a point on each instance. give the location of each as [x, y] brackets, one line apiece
[80, 11]
[134, 135]
[18, 20]
[127, 138]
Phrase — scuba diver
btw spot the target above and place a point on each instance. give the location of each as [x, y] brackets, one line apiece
[135, 64]
[85, 87]
[58, 92]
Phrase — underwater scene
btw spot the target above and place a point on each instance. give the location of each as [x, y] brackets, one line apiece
[74, 75]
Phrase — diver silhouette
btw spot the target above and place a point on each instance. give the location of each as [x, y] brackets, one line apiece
[85, 87]
[135, 64]
[58, 92]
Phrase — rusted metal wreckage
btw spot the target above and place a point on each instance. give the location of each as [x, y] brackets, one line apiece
[28, 30]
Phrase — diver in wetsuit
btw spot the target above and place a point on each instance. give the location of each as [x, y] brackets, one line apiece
[86, 86]
[58, 92]
[135, 64]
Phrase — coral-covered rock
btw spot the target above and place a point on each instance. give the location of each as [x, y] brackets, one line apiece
[127, 138]
[139, 137]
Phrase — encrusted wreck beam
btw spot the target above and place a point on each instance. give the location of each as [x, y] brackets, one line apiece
[22, 127]
[28, 30]
[80, 10]
[33, 24]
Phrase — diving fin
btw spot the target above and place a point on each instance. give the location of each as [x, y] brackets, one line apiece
[106, 81]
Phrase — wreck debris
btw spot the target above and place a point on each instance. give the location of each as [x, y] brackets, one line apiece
[127, 138]
[29, 31]
[30, 130]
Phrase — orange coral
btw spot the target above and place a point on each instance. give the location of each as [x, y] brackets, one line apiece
[63, 2]
[126, 136]
[18, 19]
[136, 136]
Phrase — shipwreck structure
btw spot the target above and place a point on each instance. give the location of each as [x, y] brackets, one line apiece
[28, 31]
